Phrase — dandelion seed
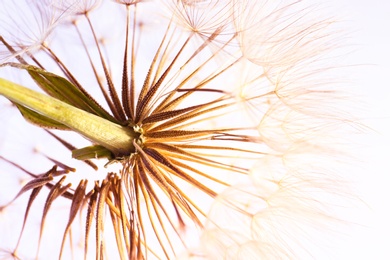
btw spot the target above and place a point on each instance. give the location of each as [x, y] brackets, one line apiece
[196, 128]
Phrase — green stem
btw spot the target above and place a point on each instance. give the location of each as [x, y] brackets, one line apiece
[118, 139]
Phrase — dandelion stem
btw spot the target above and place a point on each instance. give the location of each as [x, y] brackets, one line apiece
[116, 138]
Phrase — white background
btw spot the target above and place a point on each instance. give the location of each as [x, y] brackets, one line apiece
[369, 22]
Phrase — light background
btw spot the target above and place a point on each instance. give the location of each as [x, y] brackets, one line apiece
[369, 22]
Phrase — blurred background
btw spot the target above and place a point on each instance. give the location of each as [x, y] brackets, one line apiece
[369, 22]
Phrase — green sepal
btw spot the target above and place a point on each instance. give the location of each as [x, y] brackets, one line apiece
[40, 120]
[92, 152]
[60, 88]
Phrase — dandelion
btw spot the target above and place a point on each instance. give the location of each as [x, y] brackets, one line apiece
[205, 127]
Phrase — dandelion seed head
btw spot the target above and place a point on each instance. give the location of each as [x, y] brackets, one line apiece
[203, 17]
[203, 131]
[27, 28]
[76, 7]
[128, 2]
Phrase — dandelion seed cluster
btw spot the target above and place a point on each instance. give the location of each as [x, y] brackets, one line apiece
[227, 116]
